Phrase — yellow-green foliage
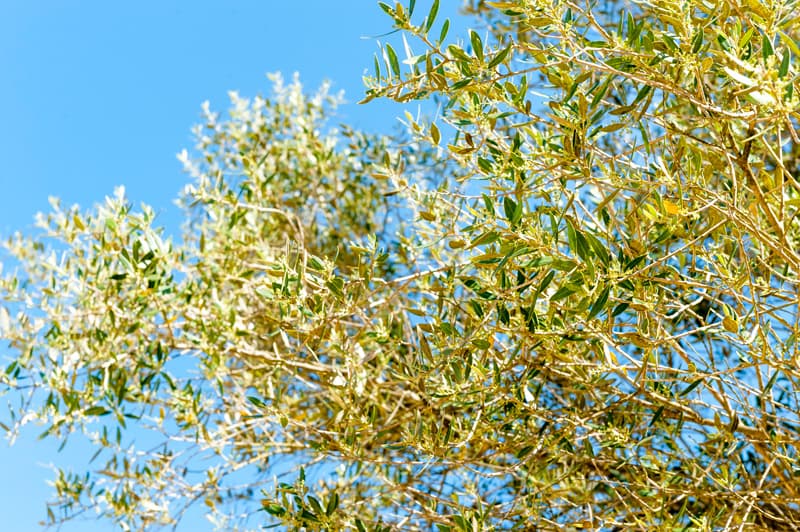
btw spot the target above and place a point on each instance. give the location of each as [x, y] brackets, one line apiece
[568, 300]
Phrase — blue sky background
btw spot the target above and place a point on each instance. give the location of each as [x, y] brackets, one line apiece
[97, 94]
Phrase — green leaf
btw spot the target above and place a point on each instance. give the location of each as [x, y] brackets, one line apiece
[336, 286]
[610, 128]
[512, 209]
[697, 41]
[691, 387]
[525, 451]
[256, 401]
[621, 63]
[503, 315]
[601, 92]
[643, 92]
[744, 40]
[600, 303]
[431, 16]
[562, 292]
[656, 416]
[393, 63]
[476, 308]
[784, 68]
[386, 8]
[766, 47]
[788, 41]
[619, 309]
[485, 238]
[538, 262]
[500, 56]
[443, 32]
[307, 515]
[598, 248]
[723, 42]
[487, 202]
[477, 44]
[544, 284]
[531, 319]
[481, 344]
[460, 84]
[274, 509]
[635, 262]
[333, 504]
[768, 388]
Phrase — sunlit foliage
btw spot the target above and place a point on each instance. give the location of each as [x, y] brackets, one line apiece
[568, 299]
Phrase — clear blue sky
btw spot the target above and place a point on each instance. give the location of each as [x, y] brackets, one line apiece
[96, 94]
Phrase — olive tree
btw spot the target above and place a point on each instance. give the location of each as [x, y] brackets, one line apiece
[570, 299]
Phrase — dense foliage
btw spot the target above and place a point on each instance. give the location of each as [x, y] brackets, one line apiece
[568, 299]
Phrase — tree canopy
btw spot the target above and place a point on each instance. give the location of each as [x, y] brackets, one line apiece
[569, 298]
